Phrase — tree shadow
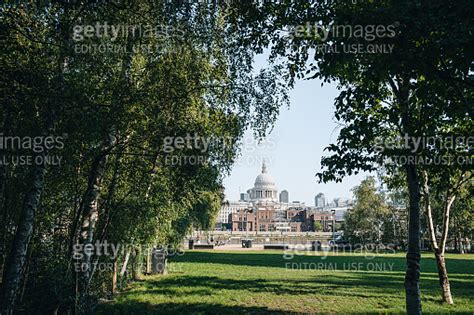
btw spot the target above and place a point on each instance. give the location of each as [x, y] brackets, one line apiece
[350, 283]
[360, 284]
[278, 260]
[135, 307]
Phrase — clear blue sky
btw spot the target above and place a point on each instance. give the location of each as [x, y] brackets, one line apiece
[294, 148]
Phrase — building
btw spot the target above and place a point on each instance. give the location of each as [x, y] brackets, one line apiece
[284, 196]
[244, 197]
[267, 210]
[264, 189]
[243, 220]
[263, 209]
[342, 202]
[320, 201]
[326, 220]
[229, 208]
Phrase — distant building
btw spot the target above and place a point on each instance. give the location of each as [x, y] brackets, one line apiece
[262, 208]
[265, 189]
[243, 220]
[259, 210]
[342, 202]
[293, 219]
[284, 196]
[326, 220]
[320, 201]
[229, 208]
[340, 213]
[244, 197]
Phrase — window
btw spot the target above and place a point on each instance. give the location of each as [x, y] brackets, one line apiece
[262, 228]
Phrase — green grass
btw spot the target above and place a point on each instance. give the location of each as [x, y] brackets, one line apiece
[256, 282]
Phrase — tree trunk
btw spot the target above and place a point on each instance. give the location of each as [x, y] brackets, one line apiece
[125, 263]
[90, 211]
[91, 208]
[412, 275]
[443, 277]
[4, 218]
[438, 251]
[442, 271]
[12, 273]
[114, 276]
[134, 257]
[429, 213]
[16, 261]
[446, 212]
[107, 205]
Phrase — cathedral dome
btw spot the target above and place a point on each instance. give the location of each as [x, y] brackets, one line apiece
[264, 180]
[264, 187]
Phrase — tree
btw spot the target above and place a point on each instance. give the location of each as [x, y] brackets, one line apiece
[365, 221]
[462, 227]
[383, 95]
[317, 226]
[118, 107]
[446, 199]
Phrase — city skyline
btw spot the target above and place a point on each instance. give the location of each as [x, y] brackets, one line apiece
[293, 149]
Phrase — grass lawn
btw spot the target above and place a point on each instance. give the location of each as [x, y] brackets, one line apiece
[256, 282]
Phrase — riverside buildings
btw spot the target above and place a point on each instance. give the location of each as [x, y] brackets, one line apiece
[262, 209]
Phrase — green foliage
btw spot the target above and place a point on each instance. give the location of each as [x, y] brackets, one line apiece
[194, 81]
[318, 227]
[364, 223]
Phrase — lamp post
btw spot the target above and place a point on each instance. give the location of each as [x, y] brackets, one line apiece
[333, 226]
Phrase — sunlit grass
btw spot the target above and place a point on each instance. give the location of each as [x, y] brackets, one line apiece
[252, 282]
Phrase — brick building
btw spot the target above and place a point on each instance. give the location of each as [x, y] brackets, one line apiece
[263, 212]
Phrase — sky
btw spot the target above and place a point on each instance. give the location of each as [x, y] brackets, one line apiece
[293, 150]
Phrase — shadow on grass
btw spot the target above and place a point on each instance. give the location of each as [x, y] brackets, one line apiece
[276, 260]
[191, 288]
[327, 286]
[195, 288]
[364, 285]
[182, 308]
